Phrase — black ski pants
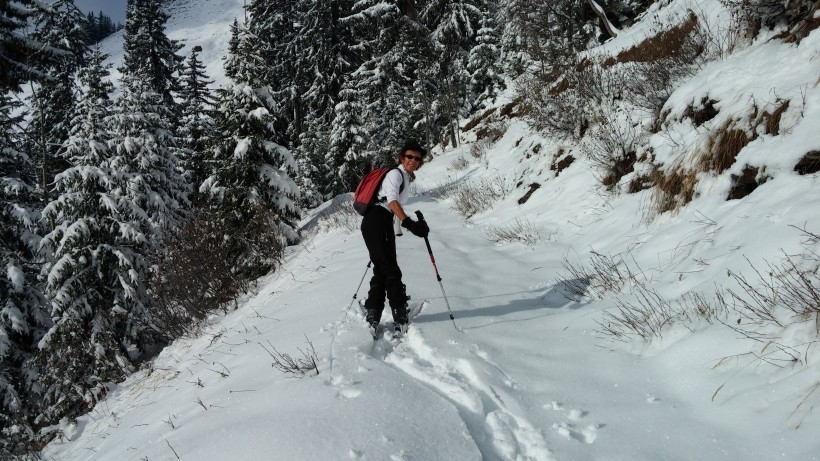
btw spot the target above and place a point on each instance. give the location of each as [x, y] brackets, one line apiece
[377, 230]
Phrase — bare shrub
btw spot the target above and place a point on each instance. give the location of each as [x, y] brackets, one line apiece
[556, 107]
[789, 292]
[479, 149]
[475, 197]
[604, 274]
[611, 147]
[297, 366]
[522, 231]
[648, 314]
[201, 270]
[460, 163]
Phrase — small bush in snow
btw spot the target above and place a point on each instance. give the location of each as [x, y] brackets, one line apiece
[522, 231]
[477, 196]
[297, 366]
[604, 274]
[202, 270]
[460, 163]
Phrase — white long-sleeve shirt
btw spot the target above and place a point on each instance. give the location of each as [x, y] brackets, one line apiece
[391, 188]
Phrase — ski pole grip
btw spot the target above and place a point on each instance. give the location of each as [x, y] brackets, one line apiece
[419, 215]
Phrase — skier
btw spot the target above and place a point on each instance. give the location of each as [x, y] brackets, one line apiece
[377, 230]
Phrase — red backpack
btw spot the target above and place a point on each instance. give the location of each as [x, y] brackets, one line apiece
[365, 195]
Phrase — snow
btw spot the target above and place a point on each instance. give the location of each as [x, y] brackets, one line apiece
[530, 376]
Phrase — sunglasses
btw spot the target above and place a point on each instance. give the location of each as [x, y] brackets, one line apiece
[413, 157]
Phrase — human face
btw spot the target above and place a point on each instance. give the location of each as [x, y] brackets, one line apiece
[412, 160]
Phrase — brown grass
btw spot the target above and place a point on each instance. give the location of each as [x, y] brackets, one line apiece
[473, 122]
[772, 121]
[666, 44]
[674, 189]
[723, 147]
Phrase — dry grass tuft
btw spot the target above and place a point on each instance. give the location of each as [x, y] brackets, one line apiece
[772, 121]
[723, 147]
[674, 189]
[702, 114]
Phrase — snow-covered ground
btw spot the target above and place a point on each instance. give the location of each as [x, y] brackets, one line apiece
[527, 374]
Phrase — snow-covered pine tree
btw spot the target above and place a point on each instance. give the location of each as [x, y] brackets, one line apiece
[197, 131]
[453, 25]
[149, 48]
[327, 55]
[273, 27]
[251, 183]
[347, 141]
[23, 316]
[94, 277]
[483, 63]
[398, 46]
[16, 47]
[60, 29]
[145, 149]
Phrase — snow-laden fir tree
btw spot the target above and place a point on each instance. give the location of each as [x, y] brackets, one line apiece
[16, 47]
[250, 185]
[23, 313]
[453, 25]
[196, 132]
[397, 47]
[483, 64]
[273, 27]
[327, 55]
[148, 47]
[60, 30]
[94, 277]
[347, 141]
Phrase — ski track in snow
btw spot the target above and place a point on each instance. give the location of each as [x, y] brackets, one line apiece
[485, 407]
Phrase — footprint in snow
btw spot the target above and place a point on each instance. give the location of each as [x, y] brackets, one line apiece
[349, 393]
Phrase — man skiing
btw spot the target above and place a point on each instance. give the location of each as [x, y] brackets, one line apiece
[377, 230]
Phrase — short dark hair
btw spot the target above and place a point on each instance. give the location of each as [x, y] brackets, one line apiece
[413, 145]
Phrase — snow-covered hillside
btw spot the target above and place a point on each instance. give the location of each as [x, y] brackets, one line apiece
[538, 363]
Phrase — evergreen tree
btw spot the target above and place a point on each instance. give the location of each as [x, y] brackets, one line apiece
[15, 47]
[23, 316]
[251, 176]
[328, 55]
[148, 48]
[398, 48]
[346, 142]
[197, 130]
[95, 274]
[483, 63]
[278, 61]
[60, 29]
[453, 25]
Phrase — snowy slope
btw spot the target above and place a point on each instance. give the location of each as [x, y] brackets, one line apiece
[531, 376]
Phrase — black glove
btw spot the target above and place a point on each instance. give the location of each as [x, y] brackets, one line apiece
[418, 228]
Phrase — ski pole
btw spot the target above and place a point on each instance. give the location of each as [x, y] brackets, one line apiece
[356, 294]
[438, 276]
